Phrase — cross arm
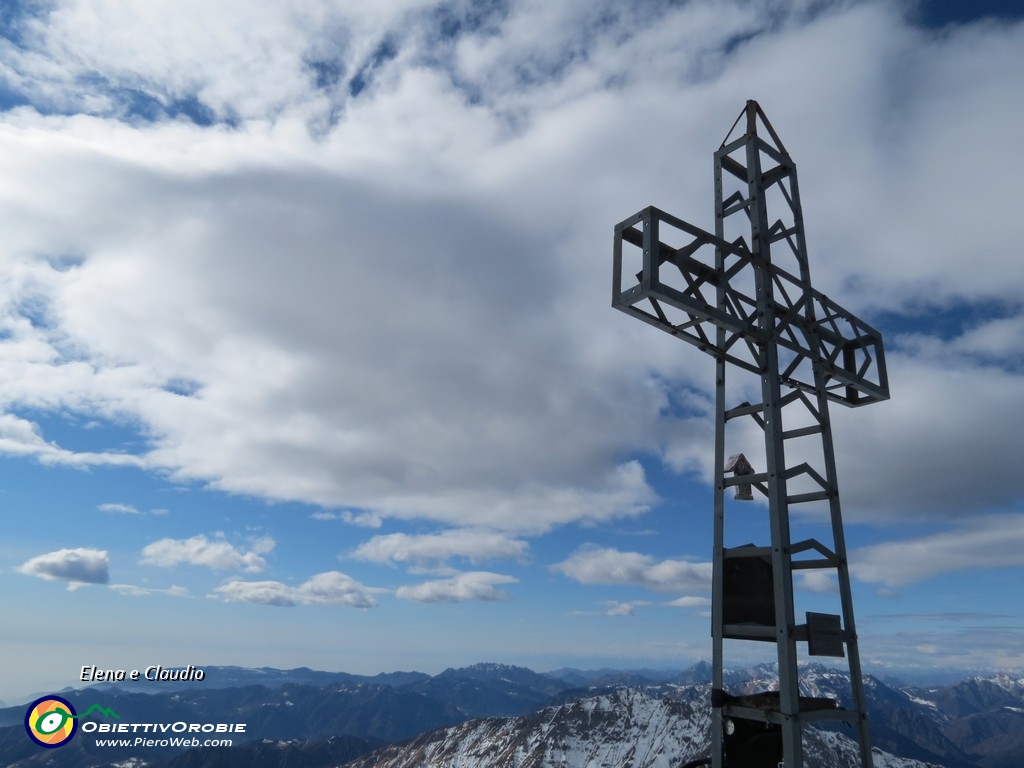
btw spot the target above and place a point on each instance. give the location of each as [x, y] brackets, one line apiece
[689, 283]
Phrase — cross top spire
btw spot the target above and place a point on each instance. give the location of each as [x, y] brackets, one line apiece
[751, 115]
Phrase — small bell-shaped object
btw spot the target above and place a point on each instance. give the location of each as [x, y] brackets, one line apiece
[739, 464]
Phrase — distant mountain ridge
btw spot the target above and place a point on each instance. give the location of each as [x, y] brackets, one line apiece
[500, 710]
[236, 677]
[491, 690]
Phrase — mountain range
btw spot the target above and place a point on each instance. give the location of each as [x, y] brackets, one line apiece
[499, 716]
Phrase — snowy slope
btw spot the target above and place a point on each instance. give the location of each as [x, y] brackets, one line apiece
[626, 728]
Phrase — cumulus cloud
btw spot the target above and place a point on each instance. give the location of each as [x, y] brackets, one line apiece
[77, 566]
[433, 550]
[328, 588]
[473, 585]
[591, 565]
[214, 553]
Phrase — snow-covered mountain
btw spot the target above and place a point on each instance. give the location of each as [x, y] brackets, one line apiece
[982, 716]
[625, 728]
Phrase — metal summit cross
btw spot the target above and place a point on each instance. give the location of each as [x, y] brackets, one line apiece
[744, 296]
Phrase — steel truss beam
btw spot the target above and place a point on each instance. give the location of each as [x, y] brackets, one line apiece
[808, 325]
[744, 296]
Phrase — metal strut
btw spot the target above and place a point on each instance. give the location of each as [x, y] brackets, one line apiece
[743, 295]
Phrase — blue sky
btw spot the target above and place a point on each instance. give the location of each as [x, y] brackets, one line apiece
[307, 355]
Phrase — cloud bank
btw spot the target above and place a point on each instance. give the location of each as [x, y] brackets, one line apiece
[358, 257]
[592, 565]
[329, 588]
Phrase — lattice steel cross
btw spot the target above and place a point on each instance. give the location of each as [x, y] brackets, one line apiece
[744, 295]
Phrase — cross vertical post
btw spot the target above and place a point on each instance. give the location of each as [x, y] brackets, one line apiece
[743, 295]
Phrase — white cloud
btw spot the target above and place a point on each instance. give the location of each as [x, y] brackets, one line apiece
[326, 516]
[328, 588]
[137, 591]
[949, 647]
[77, 566]
[472, 585]
[124, 509]
[327, 419]
[20, 437]
[433, 550]
[934, 449]
[239, 59]
[691, 602]
[591, 565]
[362, 519]
[212, 553]
[407, 314]
[621, 609]
[816, 581]
[990, 541]
[616, 608]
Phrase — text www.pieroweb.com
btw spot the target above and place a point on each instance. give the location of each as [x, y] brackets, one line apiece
[162, 735]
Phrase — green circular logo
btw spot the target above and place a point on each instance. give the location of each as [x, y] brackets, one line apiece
[50, 721]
